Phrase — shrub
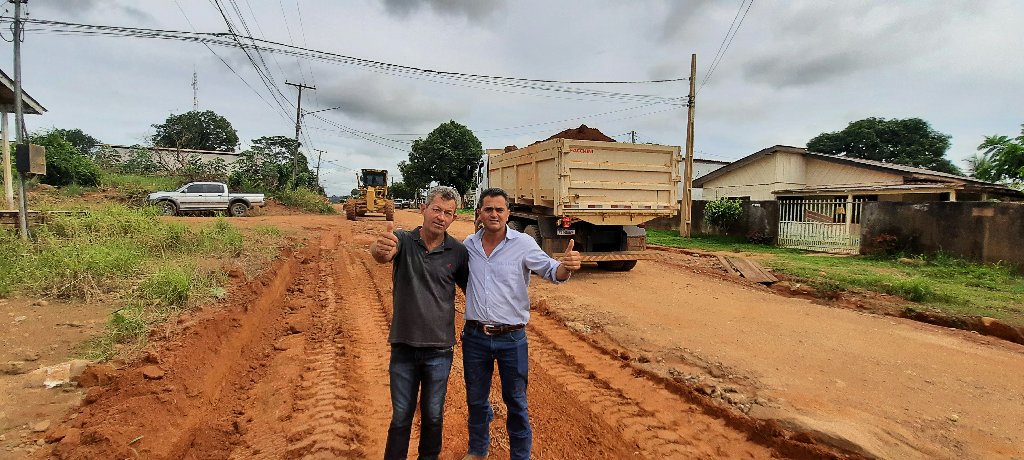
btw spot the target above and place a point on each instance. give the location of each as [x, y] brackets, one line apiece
[723, 212]
[65, 165]
[306, 200]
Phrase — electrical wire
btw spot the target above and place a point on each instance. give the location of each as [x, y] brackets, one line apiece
[721, 51]
[218, 39]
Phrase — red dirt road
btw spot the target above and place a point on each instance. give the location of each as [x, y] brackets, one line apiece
[660, 362]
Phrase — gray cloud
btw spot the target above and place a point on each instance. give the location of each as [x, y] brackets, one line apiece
[862, 37]
[472, 10]
[82, 9]
[389, 102]
[680, 16]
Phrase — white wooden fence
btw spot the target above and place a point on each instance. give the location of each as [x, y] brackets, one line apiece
[825, 225]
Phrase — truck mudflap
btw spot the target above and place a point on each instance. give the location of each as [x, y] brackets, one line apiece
[618, 255]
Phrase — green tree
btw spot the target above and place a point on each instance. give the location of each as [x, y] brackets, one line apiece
[267, 166]
[910, 141]
[1001, 159]
[403, 191]
[65, 164]
[85, 143]
[448, 156]
[196, 130]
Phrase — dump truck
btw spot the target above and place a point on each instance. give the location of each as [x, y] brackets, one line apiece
[598, 193]
[373, 197]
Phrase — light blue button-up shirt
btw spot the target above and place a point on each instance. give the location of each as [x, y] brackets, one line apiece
[497, 289]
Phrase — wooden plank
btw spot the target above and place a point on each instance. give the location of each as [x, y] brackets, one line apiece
[728, 266]
[817, 217]
[752, 270]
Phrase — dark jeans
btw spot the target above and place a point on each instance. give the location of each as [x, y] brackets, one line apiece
[411, 369]
[479, 352]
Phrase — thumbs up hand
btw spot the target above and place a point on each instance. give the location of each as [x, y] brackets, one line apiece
[571, 259]
[386, 246]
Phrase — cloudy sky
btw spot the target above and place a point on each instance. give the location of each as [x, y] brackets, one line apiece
[792, 70]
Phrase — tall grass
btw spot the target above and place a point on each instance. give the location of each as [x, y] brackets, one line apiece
[306, 200]
[152, 262]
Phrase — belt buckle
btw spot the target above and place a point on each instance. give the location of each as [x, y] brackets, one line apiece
[487, 329]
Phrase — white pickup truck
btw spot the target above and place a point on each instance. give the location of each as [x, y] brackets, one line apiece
[205, 196]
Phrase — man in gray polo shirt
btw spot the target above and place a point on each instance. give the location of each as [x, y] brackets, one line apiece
[427, 265]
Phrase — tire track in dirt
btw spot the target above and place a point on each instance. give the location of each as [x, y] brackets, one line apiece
[327, 424]
[649, 419]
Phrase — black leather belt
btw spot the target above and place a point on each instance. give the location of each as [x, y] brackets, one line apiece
[494, 329]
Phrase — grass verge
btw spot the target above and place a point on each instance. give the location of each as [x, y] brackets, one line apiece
[948, 284]
[161, 267]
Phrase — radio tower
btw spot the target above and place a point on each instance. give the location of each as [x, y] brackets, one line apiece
[195, 90]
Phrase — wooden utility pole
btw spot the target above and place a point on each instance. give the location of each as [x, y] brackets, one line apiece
[19, 118]
[319, 154]
[632, 137]
[685, 204]
[298, 126]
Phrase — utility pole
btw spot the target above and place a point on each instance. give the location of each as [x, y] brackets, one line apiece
[195, 90]
[632, 137]
[298, 126]
[19, 117]
[319, 153]
[686, 205]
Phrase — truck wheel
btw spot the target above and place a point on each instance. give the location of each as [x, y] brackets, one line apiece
[167, 208]
[533, 232]
[616, 265]
[516, 225]
[238, 209]
[389, 211]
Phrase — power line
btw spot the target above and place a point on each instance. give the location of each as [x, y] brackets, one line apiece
[721, 51]
[384, 67]
[232, 69]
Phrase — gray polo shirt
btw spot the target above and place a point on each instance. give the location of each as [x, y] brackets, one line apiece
[424, 290]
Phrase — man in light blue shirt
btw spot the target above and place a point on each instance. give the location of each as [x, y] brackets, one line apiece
[497, 310]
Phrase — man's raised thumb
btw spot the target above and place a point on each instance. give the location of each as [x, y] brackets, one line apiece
[568, 248]
[390, 227]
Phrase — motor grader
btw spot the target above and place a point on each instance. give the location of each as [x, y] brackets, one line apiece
[373, 198]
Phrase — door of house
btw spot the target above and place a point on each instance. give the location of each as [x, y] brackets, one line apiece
[824, 225]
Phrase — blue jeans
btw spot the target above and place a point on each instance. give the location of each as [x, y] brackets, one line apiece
[479, 352]
[412, 368]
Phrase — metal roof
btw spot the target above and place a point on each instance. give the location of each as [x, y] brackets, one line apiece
[29, 105]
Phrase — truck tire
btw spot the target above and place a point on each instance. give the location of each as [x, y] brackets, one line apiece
[238, 209]
[616, 265]
[167, 207]
[389, 211]
[516, 225]
[533, 232]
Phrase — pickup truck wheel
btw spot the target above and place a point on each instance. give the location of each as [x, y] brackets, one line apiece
[167, 208]
[238, 209]
[616, 265]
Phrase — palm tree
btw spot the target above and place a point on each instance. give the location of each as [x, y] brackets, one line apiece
[1001, 159]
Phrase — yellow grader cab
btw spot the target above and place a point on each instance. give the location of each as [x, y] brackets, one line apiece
[373, 198]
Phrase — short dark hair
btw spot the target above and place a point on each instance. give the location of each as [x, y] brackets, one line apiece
[491, 192]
